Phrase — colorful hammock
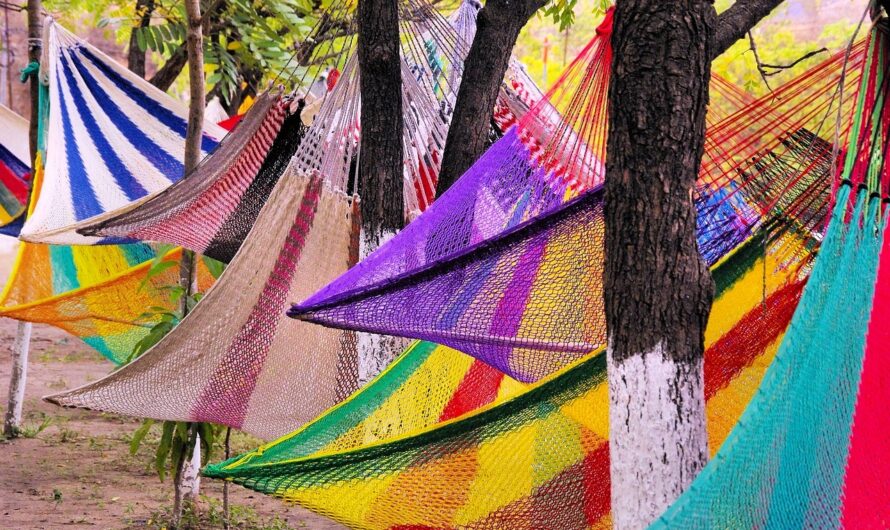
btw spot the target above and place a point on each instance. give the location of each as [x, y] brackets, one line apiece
[212, 210]
[100, 294]
[115, 138]
[533, 456]
[15, 171]
[244, 364]
[197, 372]
[789, 463]
[511, 297]
[540, 459]
[212, 214]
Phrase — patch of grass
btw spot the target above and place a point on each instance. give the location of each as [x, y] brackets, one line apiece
[211, 515]
[58, 384]
[67, 435]
[33, 430]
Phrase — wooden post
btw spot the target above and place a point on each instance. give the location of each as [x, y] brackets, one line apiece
[18, 377]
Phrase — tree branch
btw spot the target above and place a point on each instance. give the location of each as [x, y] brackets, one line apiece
[760, 68]
[795, 63]
[736, 21]
[168, 73]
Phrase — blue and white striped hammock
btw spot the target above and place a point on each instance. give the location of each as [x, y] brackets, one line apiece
[112, 138]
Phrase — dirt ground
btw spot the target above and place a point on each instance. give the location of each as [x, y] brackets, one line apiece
[73, 469]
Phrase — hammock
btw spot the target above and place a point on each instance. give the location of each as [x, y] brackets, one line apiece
[540, 459]
[788, 464]
[14, 171]
[212, 214]
[511, 297]
[532, 456]
[99, 294]
[195, 360]
[211, 210]
[115, 138]
[246, 365]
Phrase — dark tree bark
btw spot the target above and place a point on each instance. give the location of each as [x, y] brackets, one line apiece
[380, 163]
[168, 73]
[135, 56]
[35, 40]
[734, 23]
[380, 154]
[658, 291]
[497, 28]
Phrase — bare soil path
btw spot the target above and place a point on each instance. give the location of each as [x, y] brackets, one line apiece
[77, 471]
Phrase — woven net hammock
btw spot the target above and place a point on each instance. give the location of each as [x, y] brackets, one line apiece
[486, 451]
[797, 458]
[496, 267]
[536, 455]
[246, 365]
[115, 138]
[212, 211]
[97, 293]
[15, 170]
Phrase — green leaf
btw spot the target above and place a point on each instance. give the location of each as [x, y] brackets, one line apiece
[140, 39]
[139, 435]
[164, 448]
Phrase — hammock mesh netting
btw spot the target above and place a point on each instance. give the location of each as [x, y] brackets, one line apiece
[246, 365]
[242, 364]
[183, 364]
[115, 138]
[788, 464]
[511, 298]
[95, 293]
[212, 211]
[540, 458]
[532, 456]
[15, 170]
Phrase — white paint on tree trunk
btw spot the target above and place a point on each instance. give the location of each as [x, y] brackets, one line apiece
[191, 473]
[17, 379]
[657, 437]
[375, 351]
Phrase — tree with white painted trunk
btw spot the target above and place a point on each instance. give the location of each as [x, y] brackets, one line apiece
[658, 290]
[18, 377]
[380, 153]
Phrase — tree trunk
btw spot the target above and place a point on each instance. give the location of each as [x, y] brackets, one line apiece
[19, 376]
[380, 153]
[497, 27]
[167, 74]
[187, 476]
[658, 290]
[135, 56]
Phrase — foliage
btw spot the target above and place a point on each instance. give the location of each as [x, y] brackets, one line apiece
[246, 41]
[240, 517]
[778, 45]
[177, 437]
[34, 430]
[563, 11]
